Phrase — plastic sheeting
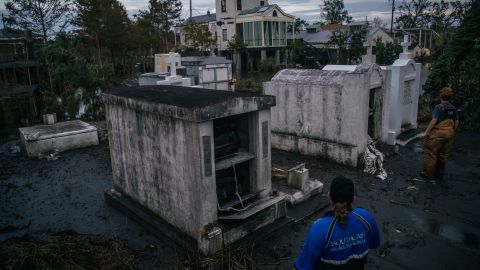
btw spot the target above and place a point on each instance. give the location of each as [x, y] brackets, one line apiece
[373, 160]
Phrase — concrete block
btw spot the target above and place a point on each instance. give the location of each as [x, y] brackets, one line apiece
[57, 137]
[297, 178]
[49, 119]
[294, 196]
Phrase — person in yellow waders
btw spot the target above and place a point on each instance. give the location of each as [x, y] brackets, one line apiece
[439, 136]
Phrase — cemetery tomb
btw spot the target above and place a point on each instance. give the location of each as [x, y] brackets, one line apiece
[403, 90]
[192, 163]
[46, 139]
[328, 113]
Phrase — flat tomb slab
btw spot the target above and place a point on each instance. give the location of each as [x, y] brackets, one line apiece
[59, 137]
[187, 103]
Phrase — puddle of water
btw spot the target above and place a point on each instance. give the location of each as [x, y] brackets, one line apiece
[454, 234]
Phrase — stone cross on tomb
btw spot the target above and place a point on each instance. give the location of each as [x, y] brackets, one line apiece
[173, 65]
[405, 44]
[369, 58]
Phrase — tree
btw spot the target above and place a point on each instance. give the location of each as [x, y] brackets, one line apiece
[348, 43]
[437, 15]
[339, 40]
[459, 66]
[297, 26]
[43, 17]
[105, 24]
[72, 68]
[163, 14]
[198, 36]
[413, 13]
[386, 53]
[236, 46]
[378, 22]
[333, 12]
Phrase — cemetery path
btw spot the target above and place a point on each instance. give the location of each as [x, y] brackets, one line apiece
[423, 226]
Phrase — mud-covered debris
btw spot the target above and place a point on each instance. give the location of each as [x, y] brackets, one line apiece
[373, 160]
[49, 157]
[66, 252]
[281, 252]
[385, 249]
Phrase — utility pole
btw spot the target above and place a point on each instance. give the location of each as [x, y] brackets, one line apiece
[190, 10]
[391, 22]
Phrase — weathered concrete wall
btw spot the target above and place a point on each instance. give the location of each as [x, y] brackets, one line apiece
[330, 110]
[163, 152]
[260, 144]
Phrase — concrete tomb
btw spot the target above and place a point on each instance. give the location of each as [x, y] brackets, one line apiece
[403, 91]
[162, 77]
[328, 113]
[211, 72]
[402, 84]
[164, 63]
[58, 137]
[192, 163]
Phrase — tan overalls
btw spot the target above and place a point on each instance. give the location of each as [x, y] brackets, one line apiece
[437, 147]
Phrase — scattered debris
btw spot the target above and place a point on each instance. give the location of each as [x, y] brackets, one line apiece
[281, 252]
[49, 157]
[397, 203]
[373, 160]
[412, 187]
[66, 252]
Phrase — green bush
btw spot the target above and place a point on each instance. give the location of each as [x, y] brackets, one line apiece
[459, 67]
[267, 65]
[248, 85]
[470, 116]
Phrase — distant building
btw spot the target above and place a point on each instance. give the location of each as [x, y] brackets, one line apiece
[319, 35]
[261, 26]
[208, 19]
[18, 77]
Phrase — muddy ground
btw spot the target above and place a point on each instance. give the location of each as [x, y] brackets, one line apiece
[423, 226]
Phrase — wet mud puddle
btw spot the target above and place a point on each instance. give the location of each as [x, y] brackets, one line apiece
[456, 234]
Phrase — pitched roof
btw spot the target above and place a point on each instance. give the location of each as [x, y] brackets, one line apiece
[263, 9]
[315, 38]
[259, 9]
[209, 17]
[16, 34]
[331, 27]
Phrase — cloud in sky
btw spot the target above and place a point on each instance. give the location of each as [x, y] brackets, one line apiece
[305, 9]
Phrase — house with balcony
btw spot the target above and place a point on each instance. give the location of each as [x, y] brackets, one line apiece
[260, 25]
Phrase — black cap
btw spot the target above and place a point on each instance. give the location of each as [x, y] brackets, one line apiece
[341, 190]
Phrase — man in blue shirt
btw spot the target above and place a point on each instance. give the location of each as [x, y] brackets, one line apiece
[342, 238]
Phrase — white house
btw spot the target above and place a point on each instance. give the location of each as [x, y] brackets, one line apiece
[261, 26]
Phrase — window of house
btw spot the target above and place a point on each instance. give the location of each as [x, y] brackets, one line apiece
[239, 4]
[262, 3]
[224, 35]
[274, 13]
[223, 4]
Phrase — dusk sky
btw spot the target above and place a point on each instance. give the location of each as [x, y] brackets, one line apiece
[305, 9]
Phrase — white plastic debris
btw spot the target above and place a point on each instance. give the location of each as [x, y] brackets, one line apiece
[373, 160]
